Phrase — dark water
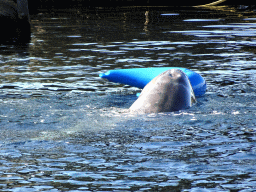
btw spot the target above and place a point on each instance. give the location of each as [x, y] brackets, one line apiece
[65, 129]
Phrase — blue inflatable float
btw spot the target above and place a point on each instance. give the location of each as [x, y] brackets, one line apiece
[140, 77]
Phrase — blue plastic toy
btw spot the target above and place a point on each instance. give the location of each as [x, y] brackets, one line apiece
[140, 77]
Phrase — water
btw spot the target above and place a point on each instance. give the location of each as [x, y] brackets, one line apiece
[65, 129]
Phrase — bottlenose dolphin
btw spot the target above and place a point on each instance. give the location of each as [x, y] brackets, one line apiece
[169, 91]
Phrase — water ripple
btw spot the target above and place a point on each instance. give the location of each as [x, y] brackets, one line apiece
[65, 129]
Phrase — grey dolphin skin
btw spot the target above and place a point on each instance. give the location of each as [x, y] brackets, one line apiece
[169, 91]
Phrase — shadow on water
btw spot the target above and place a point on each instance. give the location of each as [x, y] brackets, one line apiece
[65, 129]
[22, 51]
[14, 18]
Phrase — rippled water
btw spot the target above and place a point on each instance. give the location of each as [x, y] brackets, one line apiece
[65, 129]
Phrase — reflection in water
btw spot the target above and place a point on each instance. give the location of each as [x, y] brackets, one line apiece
[63, 128]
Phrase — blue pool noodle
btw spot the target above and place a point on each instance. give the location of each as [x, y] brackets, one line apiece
[140, 77]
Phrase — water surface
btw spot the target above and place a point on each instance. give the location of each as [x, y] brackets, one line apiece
[65, 129]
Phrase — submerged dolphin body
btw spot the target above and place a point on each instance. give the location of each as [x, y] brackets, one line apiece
[169, 91]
